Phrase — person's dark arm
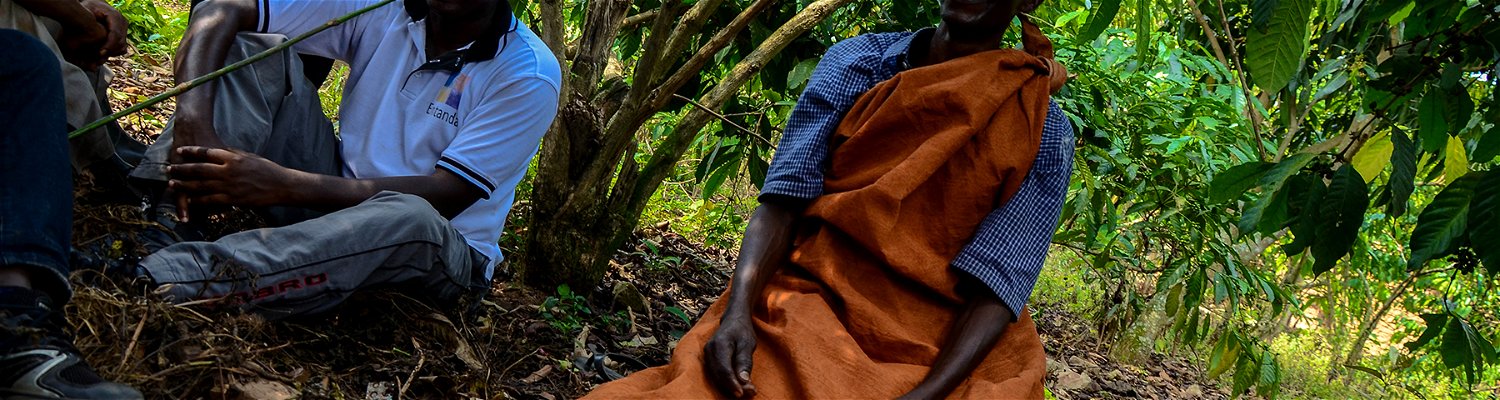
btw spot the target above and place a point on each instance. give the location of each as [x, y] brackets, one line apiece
[235, 177]
[205, 44]
[767, 246]
[209, 35]
[973, 334]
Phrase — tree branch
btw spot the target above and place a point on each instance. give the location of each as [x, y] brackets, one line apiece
[1255, 119]
[620, 128]
[637, 20]
[689, 26]
[694, 65]
[689, 126]
[599, 30]
[726, 120]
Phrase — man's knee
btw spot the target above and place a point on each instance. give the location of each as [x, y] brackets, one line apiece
[26, 61]
[407, 211]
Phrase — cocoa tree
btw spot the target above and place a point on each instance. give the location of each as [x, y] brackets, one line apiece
[590, 188]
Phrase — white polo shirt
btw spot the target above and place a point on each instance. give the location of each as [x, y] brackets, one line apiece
[405, 113]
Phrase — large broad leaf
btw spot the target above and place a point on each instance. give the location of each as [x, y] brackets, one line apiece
[1144, 27]
[1403, 172]
[1306, 204]
[1432, 120]
[1442, 224]
[1274, 54]
[1341, 215]
[1269, 383]
[1100, 19]
[1271, 185]
[1435, 323]
[1236, 180]
[1261, 12]
[1224, 356]
[1484, 221]
[1246, 373]
[1456, 163]
[800, 73]
[1488, 147]
[1373, 157]
[1464, 347]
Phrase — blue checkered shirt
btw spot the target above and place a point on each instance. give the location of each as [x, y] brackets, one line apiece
[1010, 246]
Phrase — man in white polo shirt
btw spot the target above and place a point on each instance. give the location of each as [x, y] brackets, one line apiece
[445, 104]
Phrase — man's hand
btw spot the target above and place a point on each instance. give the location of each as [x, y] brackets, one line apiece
[728, 355]
[81, 44]
[227, 177]
[114, 24]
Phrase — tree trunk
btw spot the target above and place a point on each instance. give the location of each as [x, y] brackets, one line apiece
[588, 192]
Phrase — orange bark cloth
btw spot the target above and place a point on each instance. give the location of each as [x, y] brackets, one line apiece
[868, 298]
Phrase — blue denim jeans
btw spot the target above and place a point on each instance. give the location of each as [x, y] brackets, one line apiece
[36, 180]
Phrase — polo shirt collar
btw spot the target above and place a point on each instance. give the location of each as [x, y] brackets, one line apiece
[485, 48]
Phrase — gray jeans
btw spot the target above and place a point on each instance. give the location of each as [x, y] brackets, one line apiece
[391, 240]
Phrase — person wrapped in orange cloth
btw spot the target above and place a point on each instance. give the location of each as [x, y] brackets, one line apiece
[902, 226]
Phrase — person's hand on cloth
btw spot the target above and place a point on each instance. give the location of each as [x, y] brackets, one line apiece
[727, 356]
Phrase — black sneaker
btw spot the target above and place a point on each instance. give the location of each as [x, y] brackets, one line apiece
[37, 358]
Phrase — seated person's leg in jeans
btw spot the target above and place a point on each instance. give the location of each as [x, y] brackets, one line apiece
[37, 358]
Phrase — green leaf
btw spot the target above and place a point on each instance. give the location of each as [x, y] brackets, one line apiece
[1464, 347]
[1341, 215]
[1144, 28]
[1456, 164]
[1403, 172]
[1366, 370]
[1488, 147]
[1261, 12]
[1484, 221]
[1442, 224]
[1225, 353]
[1432, 119]
[1271, 185]
[757, 166]
[801, 73]
[716, 180]
[1435, 323]
[1246, 373]
[1174, 300]
[1306, 202]
[1100, 19]
[680, 314]
[1274, 54]
[1269, 384]
[1373, 157]
[1236, 180]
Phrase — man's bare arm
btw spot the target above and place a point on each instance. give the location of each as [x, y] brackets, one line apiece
[235, 177]
[972, 337]
[209, 35]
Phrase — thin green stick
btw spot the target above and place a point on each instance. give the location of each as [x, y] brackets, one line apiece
[179, 89]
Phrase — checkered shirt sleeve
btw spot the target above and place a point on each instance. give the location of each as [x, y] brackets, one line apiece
[848, 69]
[1008, 250]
